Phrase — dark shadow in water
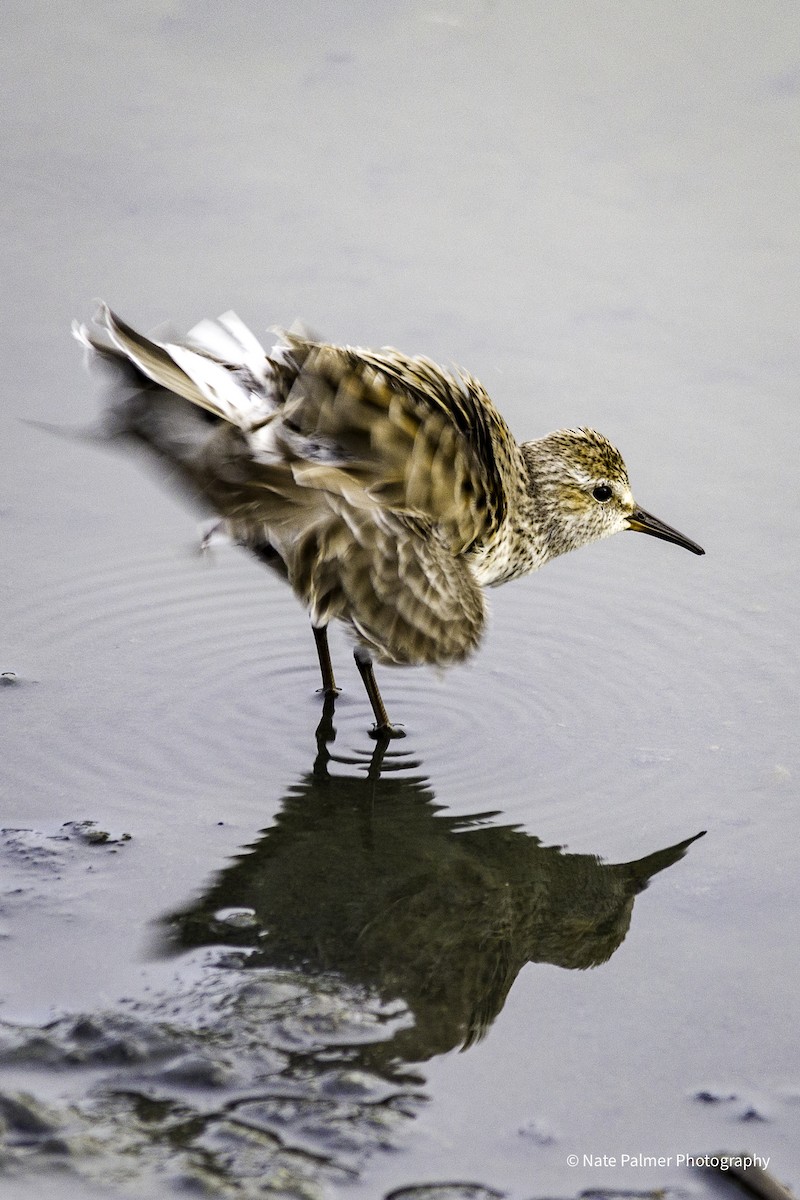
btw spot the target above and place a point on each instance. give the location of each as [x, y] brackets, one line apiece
[364, 876]
[374, 931]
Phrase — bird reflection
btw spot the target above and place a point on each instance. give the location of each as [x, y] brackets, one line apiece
[365, 876]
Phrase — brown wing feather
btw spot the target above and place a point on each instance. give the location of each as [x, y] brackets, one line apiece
[396, 584]
[393, 579]
[370, 475]
[417, 439]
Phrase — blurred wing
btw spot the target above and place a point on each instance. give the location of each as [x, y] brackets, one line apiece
[385, 431]
[395, 582]
[415, 439]
[219, 366]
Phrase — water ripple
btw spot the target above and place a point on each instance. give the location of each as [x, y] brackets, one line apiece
[170, 672]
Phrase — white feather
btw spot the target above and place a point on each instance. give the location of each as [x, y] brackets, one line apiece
[219, 385]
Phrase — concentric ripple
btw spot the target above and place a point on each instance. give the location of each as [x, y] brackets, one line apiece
[583, 692]
[166, 673]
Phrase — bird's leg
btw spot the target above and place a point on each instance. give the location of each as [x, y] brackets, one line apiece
[329, 687]
[383, 727]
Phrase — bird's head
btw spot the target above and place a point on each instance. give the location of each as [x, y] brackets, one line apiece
[580, 485]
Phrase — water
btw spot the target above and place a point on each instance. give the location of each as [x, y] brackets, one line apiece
[304, 965]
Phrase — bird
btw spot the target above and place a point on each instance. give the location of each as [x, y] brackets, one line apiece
[388, 491]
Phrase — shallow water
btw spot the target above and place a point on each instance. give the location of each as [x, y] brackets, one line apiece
[292, 964]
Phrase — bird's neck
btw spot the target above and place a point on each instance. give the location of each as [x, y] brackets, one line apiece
[552, 518]
[519, 545]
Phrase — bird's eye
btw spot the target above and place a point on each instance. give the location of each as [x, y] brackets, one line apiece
[602, 493]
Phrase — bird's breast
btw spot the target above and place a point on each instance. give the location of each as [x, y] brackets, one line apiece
[513, 552]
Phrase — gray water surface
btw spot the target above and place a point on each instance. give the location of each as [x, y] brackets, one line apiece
[279, 964]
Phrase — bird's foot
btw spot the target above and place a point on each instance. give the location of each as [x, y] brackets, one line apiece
[387, 732]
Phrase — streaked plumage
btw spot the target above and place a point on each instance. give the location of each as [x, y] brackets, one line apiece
[387, 490]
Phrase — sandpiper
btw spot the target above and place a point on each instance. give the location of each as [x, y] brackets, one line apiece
[387, 491]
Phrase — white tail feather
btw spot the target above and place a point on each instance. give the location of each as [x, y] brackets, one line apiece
[220, 366]
[225, 393]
